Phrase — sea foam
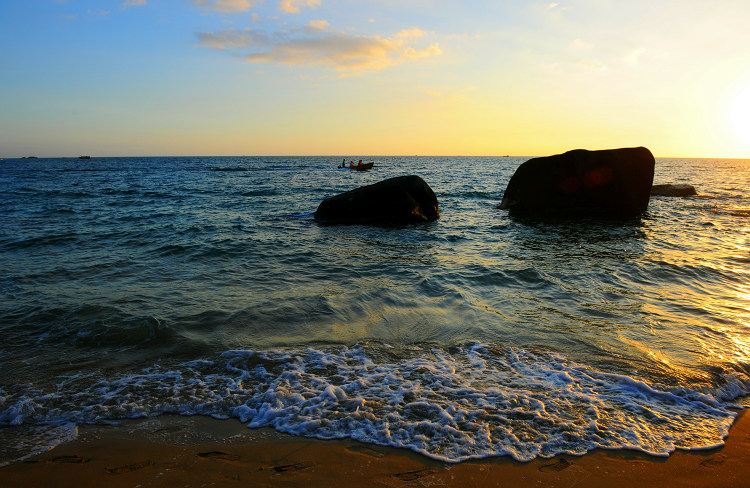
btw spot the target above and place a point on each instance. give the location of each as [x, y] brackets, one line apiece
[454, 404]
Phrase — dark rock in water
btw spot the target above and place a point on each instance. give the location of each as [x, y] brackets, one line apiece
[679, 190]
[396, 201]
[607, 183]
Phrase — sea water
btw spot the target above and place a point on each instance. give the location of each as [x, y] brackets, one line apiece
[135, 287]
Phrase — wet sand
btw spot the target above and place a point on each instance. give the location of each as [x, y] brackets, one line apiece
[174, 451]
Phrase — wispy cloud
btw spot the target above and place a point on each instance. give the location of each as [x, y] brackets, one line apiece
[415, 32]
[315, 45]
[227, 6]
[293, 6]
[411, 53]
[233, 39]
[133, 3]
[318, 24]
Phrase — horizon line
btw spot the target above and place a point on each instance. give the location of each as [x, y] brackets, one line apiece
[86, 157]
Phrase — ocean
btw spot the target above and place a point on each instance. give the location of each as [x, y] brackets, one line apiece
[136, 287]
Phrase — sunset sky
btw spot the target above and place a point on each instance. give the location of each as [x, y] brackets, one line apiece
[375, 77]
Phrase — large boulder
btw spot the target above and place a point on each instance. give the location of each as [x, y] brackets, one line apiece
[612, 182]
[395, 201]
[673, 190]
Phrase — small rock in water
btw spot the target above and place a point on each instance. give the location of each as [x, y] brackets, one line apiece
[395, 201]
[679, 190]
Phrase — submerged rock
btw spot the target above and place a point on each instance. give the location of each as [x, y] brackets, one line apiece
[395, 201]
[611, 182]
[676, 190]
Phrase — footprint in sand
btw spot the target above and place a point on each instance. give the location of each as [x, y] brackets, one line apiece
[74, 459]
[224, 456]
[556, 466]
[714, 461]
[415, 475]
[369, 451]
[127, 468]
[293, 467]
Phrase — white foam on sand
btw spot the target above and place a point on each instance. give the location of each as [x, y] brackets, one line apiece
[466, 402]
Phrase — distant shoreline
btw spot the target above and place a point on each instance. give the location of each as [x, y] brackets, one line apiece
[334, 158]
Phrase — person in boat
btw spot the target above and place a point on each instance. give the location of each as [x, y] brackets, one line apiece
[360, 162]
[351, 164]
[343, 163]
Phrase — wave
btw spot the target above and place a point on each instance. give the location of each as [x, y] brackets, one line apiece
[464, 402]
[231, 169]
[260, 192]
[88, 326]
[732, 212]
[52, 240]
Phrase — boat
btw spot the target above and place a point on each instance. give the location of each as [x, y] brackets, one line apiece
[358, 167]
[84, 157]
[362, 167]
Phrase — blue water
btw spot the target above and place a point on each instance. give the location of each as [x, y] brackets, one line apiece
[133, 287]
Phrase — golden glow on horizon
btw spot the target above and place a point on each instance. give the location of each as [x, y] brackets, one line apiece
[740, 116]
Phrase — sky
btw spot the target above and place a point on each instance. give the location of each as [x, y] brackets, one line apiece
[357, 78]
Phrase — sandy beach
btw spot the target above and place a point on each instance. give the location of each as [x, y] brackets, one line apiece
[197, 451]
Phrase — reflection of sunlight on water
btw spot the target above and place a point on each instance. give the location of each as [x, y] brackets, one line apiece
[654, 354]
[698, 281]
[742, 308]
[731, 323]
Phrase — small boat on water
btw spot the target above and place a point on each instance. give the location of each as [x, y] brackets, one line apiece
[84, 157]
[357, 166]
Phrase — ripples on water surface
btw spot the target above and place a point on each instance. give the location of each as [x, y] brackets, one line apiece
[137, 286]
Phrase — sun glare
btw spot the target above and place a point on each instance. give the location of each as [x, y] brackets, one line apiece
[740, 116]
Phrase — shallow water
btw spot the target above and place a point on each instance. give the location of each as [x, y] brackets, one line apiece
[137, 286]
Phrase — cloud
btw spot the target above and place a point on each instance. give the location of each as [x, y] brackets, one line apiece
[411, 53]
[337, 51]
[416, 32]
[227, 6]
[318, 24]
[314, 45]
[292, 6]
[133, 3]
[233, 39]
